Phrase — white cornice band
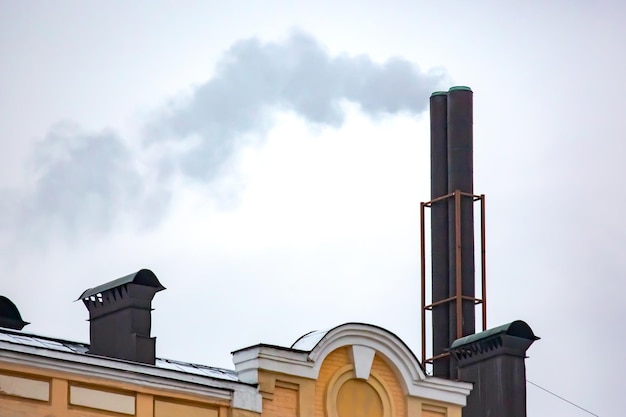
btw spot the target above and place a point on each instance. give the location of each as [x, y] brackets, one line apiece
[240, 395]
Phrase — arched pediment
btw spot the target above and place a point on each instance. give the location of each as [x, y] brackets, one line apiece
[367, 337]
[306, 356]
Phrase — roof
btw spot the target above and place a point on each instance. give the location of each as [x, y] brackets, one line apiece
[516, 328]
[20, 338]
[9, 315]
[141, 277]
[364, 341]
[308, 341]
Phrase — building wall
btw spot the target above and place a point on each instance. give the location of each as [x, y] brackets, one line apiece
[332, 363]
[336, 393]
[36, 392]
[286, 395]
[381, 370]
[283, 404]
[354, 370]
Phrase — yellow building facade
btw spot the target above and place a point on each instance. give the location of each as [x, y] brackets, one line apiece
[352, 370]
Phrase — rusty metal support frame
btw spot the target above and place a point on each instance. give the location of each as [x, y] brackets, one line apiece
[458, 298]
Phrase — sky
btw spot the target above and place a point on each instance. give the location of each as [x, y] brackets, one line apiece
[267, 160]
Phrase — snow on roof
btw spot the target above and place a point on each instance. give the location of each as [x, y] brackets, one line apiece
[309, 340]
[82, 348]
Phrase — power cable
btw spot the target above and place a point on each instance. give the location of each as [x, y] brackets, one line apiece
[561, 398]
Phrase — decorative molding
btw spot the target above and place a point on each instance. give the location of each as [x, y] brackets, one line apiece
[175, 408]
[106, 400]
[391, 349]
[248, 361]
[346, 373]
[362, 358]
[247, 401]
[127, 372]
[23, 386]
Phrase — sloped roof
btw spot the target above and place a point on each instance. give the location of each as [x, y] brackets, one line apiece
[308, 341]
[25, 339]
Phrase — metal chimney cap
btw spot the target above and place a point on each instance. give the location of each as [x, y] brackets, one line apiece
[10, 316]
[517, 328]
[439, 93]
[460, 88]
[141, 277]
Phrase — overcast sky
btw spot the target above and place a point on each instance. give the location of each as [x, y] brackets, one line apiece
[267, 161]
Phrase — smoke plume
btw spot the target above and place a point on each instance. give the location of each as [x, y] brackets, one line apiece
[86, 181]
[299, 75]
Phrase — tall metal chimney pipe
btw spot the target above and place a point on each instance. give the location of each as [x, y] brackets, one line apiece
[439, 229]
[460, 178]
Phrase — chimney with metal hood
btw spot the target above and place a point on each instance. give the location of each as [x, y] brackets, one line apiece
[120, 317]
[494, 360]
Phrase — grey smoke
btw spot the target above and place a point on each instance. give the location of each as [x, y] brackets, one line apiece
[84, 181]
[254, 78]
[87, 181]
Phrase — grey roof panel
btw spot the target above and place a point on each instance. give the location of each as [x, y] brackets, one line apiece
[6, 338]
[78, 348]
[54, 345]
[219, 373]
[165, 364]
[308, 341]
[28, 341]
[197, 369]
